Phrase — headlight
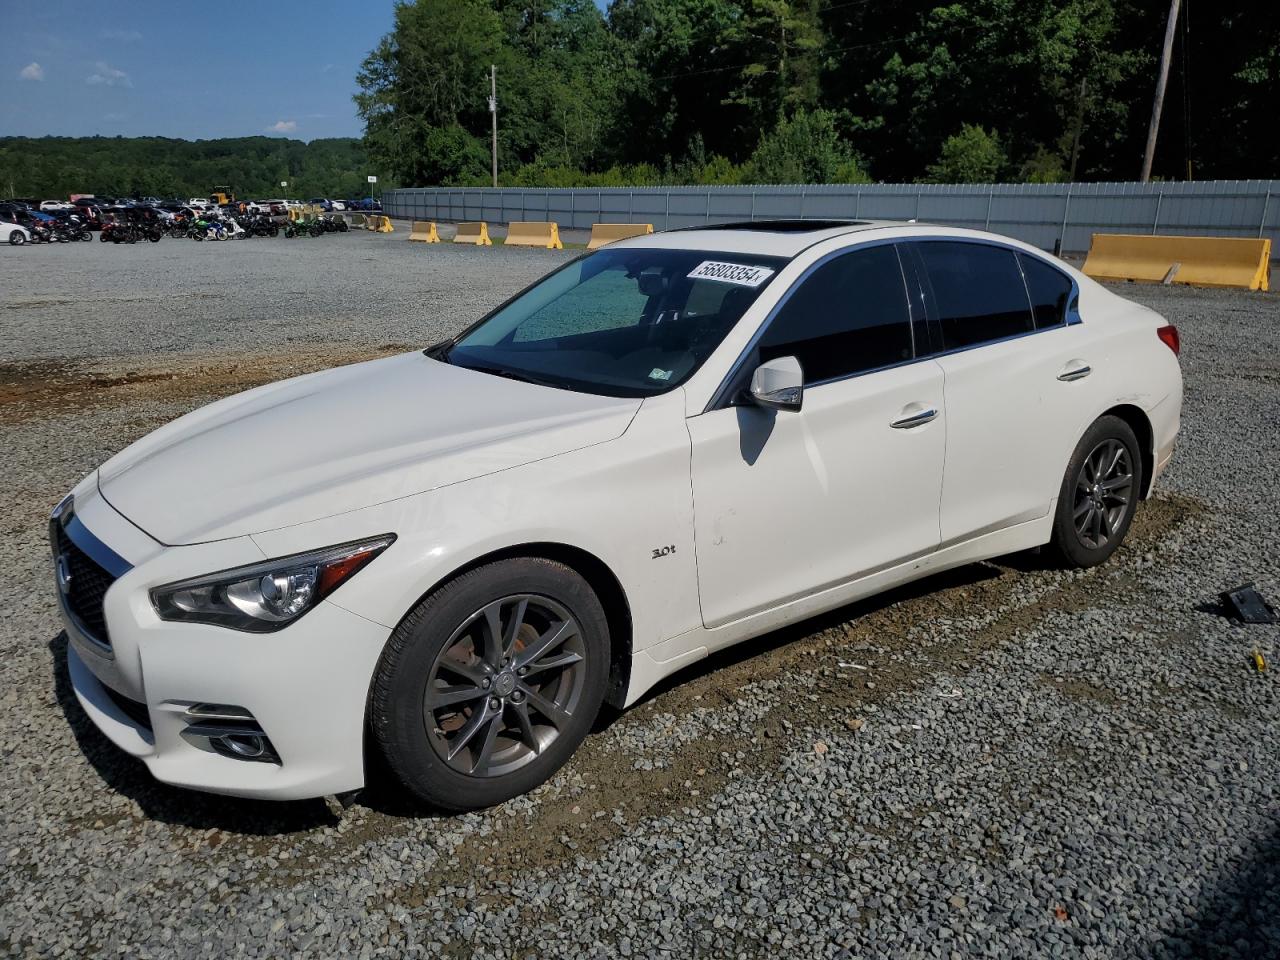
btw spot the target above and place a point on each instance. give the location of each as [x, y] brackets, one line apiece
[266, 596]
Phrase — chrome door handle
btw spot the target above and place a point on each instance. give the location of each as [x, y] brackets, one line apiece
[1075, 370]
[917, 419]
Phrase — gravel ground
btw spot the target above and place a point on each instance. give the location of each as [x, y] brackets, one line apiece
[1002, 761]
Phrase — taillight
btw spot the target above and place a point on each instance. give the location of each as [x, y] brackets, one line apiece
[1168, 334]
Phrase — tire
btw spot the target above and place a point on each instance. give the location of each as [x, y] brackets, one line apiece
[440, 646]
[103, 236]
[16, 239]
[1099, 495]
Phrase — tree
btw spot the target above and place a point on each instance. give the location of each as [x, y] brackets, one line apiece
[804, 149]
[782, 41]
[970, 156]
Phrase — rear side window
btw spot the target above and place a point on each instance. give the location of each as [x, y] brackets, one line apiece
[849, 316]
[1050, 291]
[978, 292]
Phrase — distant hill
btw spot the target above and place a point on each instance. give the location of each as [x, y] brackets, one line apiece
[54, 167]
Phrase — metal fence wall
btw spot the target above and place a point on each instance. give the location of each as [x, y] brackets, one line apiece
[1036, 213]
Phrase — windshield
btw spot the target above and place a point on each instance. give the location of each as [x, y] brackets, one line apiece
[629, 322]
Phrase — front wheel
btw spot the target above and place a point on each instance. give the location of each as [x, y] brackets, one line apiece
[17, 239]
[1099, 494]
[488, 686]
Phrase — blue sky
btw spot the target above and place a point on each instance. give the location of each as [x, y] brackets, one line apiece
[182, 68]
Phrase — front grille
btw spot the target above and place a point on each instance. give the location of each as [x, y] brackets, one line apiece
[89, 583]
[135, 711]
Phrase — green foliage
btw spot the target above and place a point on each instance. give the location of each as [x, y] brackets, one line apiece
[1043, 166]
[50, 167]
[805, 149]
[735, 91]
[971, 156]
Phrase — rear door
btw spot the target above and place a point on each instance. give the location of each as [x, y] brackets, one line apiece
[1011, 425]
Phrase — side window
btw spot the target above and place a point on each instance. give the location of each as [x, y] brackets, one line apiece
[848, 316]
[1050, 291]
[977, 291]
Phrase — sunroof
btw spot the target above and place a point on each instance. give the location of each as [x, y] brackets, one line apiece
[782, 226]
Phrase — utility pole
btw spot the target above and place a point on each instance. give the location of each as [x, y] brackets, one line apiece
[1170, 29]
[1075, 140]
[493, 112]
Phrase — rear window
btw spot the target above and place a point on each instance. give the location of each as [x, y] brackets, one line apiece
[978, 292]
[1049, 289]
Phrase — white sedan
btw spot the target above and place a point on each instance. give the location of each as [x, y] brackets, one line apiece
[14, 234]
[455, 556]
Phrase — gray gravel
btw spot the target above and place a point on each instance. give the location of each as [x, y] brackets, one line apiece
[104, 299]
[1003, 761]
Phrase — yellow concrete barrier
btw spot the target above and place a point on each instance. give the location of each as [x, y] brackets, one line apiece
[382, 224]
[602, 233]
[534, 233]
[477, 233]
[424, 231]
[1203, 261]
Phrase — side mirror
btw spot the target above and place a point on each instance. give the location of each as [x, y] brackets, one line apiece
[778, 384]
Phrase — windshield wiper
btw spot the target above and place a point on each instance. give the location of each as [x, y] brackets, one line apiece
[511, 375]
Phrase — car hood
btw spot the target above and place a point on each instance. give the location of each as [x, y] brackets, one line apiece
[346, 438]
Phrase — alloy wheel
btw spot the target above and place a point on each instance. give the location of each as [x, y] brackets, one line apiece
[505, 685]
[1103, 493]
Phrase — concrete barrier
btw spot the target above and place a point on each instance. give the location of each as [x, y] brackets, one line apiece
[381, 224]
[424, 231]
[476, 232]
[1204, 261]
[534, 233]
[602, 233]
[357, 219]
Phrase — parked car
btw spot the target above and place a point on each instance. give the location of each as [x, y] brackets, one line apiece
[13, 234]
[50, 206]
[35, 223]
[662, 448]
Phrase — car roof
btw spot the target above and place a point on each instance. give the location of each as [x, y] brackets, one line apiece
[789, 238]
[774, 238]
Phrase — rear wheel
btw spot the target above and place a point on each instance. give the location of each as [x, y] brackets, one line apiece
[491, 683]
[1099, 494]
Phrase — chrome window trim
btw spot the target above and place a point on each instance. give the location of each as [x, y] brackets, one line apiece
[720, 399]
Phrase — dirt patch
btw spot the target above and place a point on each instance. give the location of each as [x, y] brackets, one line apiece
[46, 388]
[1081, 690]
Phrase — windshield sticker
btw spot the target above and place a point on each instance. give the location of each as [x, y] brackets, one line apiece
[659, 374]
[739, 273]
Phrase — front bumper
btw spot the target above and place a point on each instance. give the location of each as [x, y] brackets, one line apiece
[306, 686]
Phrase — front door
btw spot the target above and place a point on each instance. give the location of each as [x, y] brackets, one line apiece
[788, 503]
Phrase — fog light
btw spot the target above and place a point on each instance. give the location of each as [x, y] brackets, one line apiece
[247, 745]
[228, 731]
